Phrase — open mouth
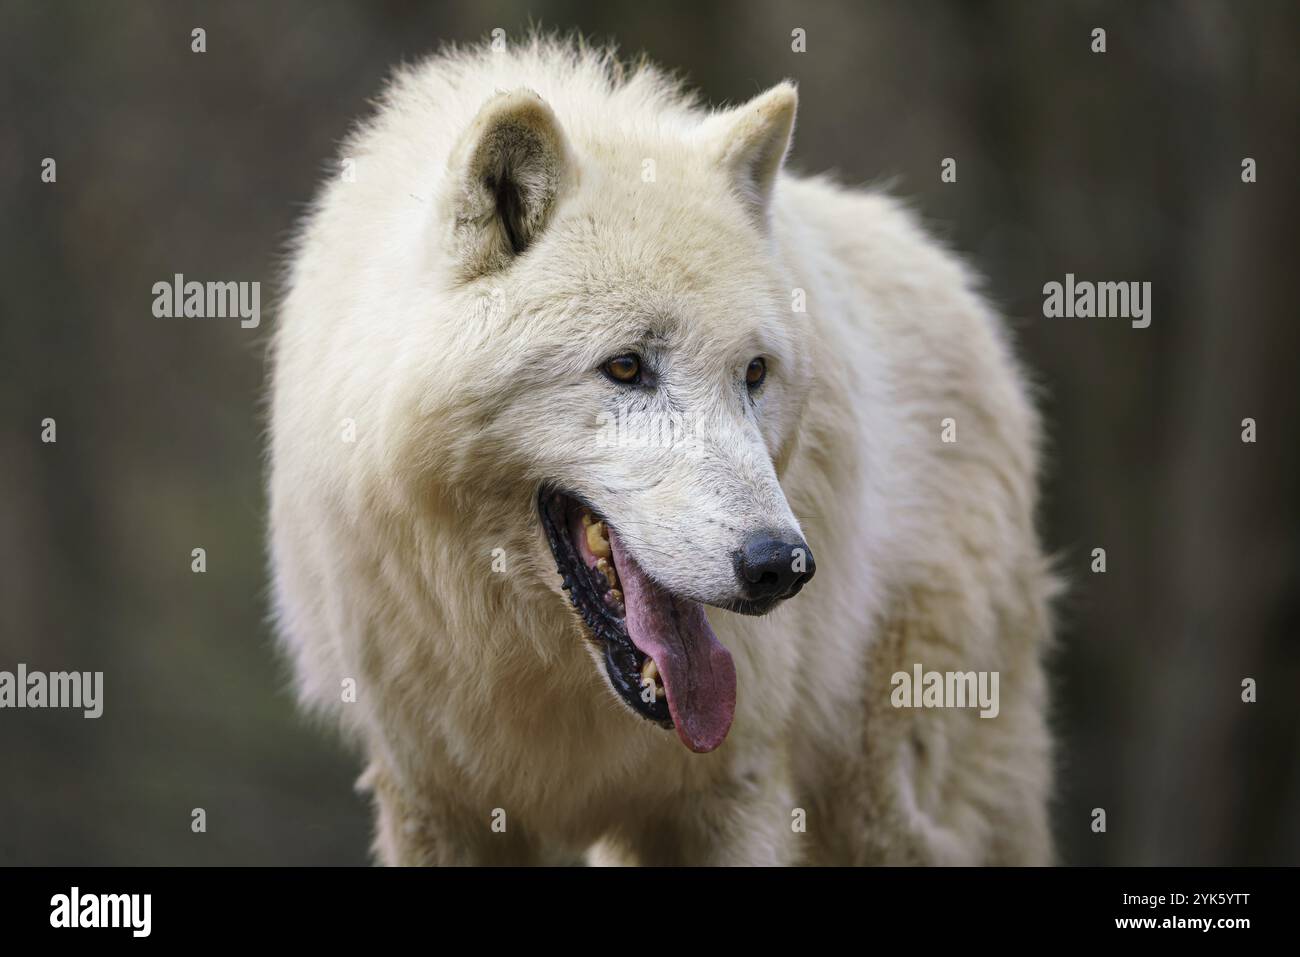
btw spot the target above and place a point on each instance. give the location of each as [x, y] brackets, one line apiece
[661, 656]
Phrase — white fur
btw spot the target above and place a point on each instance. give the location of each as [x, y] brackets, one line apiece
[471, 378]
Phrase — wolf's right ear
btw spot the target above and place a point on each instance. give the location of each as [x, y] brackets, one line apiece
[507, 171]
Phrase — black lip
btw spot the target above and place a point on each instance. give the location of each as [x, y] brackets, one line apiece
[623, 660]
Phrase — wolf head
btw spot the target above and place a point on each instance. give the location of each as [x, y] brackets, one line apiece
[621, 346]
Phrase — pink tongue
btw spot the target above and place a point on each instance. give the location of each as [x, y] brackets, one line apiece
[698, 673]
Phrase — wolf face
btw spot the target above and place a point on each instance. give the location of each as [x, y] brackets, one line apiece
[634, 333]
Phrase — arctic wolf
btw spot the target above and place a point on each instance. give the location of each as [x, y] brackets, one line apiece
[554, 626]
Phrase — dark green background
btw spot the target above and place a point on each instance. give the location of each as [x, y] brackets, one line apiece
[1122, 166]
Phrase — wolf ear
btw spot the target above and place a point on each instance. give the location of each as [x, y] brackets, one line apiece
[507, 171]
[750, 143]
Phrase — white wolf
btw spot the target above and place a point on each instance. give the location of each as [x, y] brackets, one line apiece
[498, 587]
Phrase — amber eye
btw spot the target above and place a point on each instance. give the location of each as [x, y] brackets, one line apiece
[625, 369]
[755, 374]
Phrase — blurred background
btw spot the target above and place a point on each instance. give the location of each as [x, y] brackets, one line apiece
[1122, 166]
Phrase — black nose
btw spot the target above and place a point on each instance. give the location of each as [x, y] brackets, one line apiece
[771, 565]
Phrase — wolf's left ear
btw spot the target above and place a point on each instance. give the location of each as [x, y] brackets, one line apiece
[507, 171]
[750, 142]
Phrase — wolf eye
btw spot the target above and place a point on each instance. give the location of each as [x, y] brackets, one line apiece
[755, 374]
[625, 369]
